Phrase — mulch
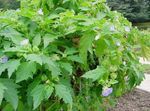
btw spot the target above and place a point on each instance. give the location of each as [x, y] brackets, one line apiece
[137, 100]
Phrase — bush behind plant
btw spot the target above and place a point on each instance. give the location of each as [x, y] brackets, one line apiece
[67, 55]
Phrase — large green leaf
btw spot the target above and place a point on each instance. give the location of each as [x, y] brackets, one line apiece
[25, 71]
[11, 94]
[95, 74]
[63, 93]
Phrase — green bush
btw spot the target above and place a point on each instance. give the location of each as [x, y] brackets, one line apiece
[9, 4]
[67, 55]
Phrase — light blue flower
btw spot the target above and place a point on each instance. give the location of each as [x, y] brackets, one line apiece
[40, 12]
[107, 92]
[4, 59]
[127, 29]
[112, 28]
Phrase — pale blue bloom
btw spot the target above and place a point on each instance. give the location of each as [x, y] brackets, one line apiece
[107, 92]
[112, 28]
[4, 59]
[127, 29]
[40, 12]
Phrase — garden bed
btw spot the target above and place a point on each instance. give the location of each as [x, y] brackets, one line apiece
[136, 100]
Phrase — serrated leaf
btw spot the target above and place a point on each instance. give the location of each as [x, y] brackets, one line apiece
[63, 93]
[75, 58]
[67, 66]
[37, 40]
[95, 74]
[2, 90]
[52, 66]
[85, 45]
[48, 91]
[34, 58]
[11, 33]
[11, 94]
[25, 71]
[31, 86]
[12, 66]
[48, 38]
[38, 95]
[3, 67]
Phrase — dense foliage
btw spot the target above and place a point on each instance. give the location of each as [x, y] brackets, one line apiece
[9, 4]
[134, 10]
[67, 55]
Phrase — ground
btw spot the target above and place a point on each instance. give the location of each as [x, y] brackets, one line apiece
[137, 100]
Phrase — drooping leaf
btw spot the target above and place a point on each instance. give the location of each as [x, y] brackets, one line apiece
[25, 71]
[95, 74]
[63, 93]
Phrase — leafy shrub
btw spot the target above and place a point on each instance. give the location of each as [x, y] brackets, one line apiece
[67, 55]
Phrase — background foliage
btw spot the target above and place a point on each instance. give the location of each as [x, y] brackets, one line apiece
[134, 10]
[9, 4]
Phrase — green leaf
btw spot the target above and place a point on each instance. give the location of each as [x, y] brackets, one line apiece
[11, 33]
[11, 94]
[3, 67]
[67, 66]
[52, 66]
[38, 95]
[75, 58]
[63, 93]
[12, 66]
[48, 38]
[2, 90]
[85, 44]
[48, 91]
[25, 71]
[34, 58]
[95, 74]
[37, 40]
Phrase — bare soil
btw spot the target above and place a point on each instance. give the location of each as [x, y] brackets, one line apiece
[136, 100]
